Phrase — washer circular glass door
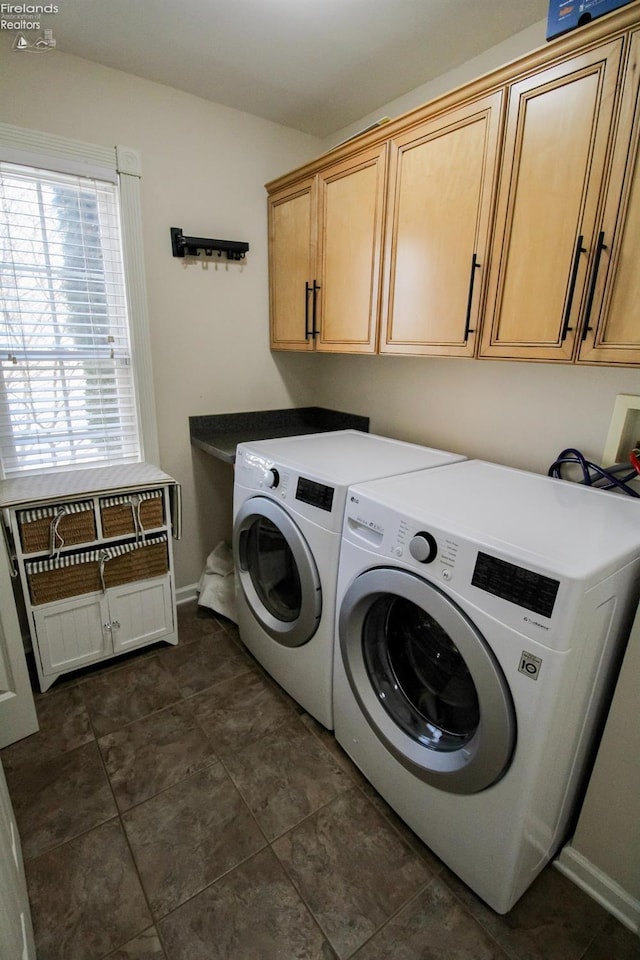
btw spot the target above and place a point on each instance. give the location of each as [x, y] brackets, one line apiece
[426, 680]
[277, 572]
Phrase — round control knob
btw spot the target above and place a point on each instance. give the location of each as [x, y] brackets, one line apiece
[423, 547]
[272, 478]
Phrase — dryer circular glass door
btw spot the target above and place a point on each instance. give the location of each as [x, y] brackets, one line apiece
[426, 680]
[277, 572]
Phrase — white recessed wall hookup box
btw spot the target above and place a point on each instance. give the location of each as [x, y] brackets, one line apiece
[624, 430]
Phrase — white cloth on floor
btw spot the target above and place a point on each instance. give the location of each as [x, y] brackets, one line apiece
[217, 583]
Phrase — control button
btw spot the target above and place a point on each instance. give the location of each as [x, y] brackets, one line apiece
[446, 574]
[272, 478]
[423, 547]
[397, 551]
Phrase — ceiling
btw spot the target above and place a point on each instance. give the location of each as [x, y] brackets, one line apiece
[314, 65]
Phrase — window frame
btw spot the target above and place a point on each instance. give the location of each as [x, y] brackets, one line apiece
[123, 166]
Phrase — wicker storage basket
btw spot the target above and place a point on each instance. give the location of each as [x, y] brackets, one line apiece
[59, 582]
[149, 560]
[119, 514]
[74, 574]
[71, 528]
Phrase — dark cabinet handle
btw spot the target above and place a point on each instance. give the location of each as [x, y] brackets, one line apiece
[474, 266]
[307, 290]
[314, 330]
[572, 288]
[592, 287]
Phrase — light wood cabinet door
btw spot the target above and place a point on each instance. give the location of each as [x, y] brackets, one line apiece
[557, 136]
[346, 297]
[442, 178]
[292, 264]
[325, 244]
[611, 329]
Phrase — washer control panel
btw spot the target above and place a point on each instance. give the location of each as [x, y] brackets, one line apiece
[423, 547]
[514, 583]
[514, 593]
[401, 540]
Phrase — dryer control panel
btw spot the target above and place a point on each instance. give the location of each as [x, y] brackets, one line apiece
[316, 494]
[301, 495]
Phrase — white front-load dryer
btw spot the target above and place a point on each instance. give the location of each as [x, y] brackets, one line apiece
[481, 615]
[288, 504]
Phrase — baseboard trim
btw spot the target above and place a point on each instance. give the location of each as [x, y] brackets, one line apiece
[600, 886]
[185, 594]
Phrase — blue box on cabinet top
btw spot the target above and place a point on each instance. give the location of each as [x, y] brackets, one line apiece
[566, 14]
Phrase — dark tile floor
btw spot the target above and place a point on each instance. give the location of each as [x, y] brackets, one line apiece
[177, 805]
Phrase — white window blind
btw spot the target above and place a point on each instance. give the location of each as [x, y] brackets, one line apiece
[67, 395]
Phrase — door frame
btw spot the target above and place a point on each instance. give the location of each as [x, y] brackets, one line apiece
[18, 717]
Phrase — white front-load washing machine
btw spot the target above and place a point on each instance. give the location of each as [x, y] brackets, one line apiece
[288, 504]
[481, 615]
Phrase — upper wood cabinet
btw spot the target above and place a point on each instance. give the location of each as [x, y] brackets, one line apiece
[501, 220]
[611, 328]
[441, 188]
[558, 128]
[325, 242]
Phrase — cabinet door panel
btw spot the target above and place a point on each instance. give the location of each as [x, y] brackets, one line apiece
[442, 176]
[350, 244]
[141, 613]
[71, 633]
[558, 127]
[292, 226]
[612, 331]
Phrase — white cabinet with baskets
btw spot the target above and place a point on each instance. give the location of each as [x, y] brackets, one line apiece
[95, 562]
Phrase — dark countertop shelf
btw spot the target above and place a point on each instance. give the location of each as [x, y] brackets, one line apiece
[220, 434]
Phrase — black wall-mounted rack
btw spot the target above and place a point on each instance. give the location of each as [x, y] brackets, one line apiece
[191, 246]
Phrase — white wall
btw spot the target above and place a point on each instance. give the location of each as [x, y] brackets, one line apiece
[521, 414]
[497, 56]
[604, 854]
[204, 169]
